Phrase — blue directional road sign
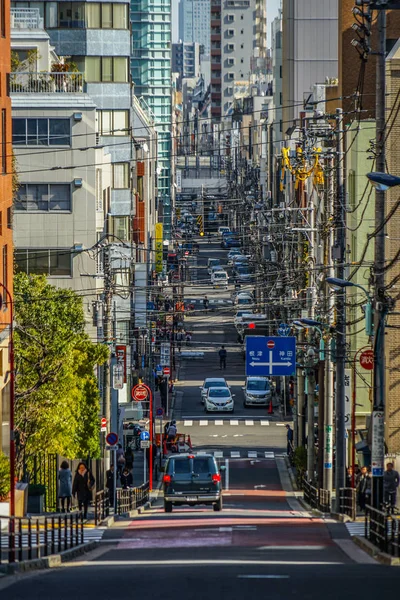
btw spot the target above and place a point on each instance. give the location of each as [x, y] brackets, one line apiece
[283, 330]
[144, 435]
[267, 356]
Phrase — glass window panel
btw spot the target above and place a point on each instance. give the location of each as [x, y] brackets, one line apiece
[106, 16]
[38, 262]
[31, 126]
[64, 14]
[39, 5]
[59, 197]
[121, 175]
[106, 122]
[120, 69]
[20, 200]
[120, 122]
[93, 15]
[60, 262]
[51, 14]
[19, 131]
[120, 16]
[43, 132]
[60, 134]
[106, 74]
[92, 68]
[36, 197]
[21, 260]
[78, 15]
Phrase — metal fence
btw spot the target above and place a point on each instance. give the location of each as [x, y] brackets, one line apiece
[26, 538]
[348, 502]
[26, 82]
[101, 506]
[318, 498]
[131, 498]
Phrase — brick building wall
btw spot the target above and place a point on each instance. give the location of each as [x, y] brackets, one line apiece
[6, 247]
[350, 63]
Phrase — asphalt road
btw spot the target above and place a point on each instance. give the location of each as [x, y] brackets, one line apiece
[263, 543]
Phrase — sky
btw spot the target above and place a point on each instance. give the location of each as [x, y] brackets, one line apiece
[272, 12]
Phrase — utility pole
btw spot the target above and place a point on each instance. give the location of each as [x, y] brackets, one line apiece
[380, 302]
[338, 254]
[107, 321]
[300, 394]
[310, 369]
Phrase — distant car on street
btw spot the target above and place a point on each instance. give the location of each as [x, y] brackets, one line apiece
[219, 399]
[212, 382]
[257, 391]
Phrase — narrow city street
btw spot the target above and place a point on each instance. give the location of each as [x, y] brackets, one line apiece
[263, 543]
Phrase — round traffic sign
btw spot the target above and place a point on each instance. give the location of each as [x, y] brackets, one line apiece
[140, 393]
[159, 412]
[103, 422]
[112, 439]
[271, 344]
[367, 360]
[167, 371]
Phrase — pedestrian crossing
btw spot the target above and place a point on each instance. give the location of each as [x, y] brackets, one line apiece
[192, 422]
[356, 528]
[240, 454]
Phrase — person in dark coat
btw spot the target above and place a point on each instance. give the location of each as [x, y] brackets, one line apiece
[126, 479]
[65, 485]
[110, 484]
[82, 487]
[129, 458]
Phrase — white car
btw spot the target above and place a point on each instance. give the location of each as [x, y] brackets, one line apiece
[244, 299]
[219, 399]
[220, 279]
[213, 262]
[257, 391]
[212, 382]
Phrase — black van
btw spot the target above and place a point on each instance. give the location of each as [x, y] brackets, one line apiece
[192, 479]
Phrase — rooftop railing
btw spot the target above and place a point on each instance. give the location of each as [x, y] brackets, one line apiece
[26, 18]
[46, 83]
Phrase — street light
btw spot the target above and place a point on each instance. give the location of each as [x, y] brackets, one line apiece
[318, 326]
[383, 181]
[338, 284]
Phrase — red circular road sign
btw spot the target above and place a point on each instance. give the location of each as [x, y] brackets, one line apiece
[167, 371]
[271, 344]
[140, 393]
[112, 438]
[367, 360]
[103, 422]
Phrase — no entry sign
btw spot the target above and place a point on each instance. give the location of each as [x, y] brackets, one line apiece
[140, 393]
[367, 360]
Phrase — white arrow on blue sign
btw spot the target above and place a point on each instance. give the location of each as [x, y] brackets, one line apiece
[144, 435]
[283, 330]
[266, 356]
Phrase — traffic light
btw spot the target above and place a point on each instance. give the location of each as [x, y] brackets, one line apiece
[251, 325]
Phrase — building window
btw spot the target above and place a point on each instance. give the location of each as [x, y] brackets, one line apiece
[5, 274]
[104, 68]
[121, 176]
[3, 140]
[41, 132]
[280, 71]
[9, 217]
[71, 15]
[47, 197]
[41, 261]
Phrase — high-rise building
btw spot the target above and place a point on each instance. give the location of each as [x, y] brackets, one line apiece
[238, 37]
[186, 59]
[6, 242]
[194, 22]
[151, 75]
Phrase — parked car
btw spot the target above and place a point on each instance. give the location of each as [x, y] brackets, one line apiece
[230, 243]
[257, 391]
[219, 399]
[220, 279]
[223, 229]
[213, 262]
[244, 299]
[212, 382]
[192, 479]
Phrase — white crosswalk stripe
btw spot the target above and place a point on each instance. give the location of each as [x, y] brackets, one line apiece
[203, 423]
[252, 454]
[250, 422]
[192, 422]
[219, 454]
[269, 455]
[235, 454]
[187, 423]
[356, 528]
[218, 422]
[234, 422]
[240, 454]
[264, 423]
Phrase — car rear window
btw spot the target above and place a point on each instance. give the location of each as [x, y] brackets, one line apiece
[179, 466]
[203, 465]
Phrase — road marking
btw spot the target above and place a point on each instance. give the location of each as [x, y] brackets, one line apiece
[252, 454]
[280, 424]
[264, 423]
[201, 453]
[187, 423]
[190, 563]
[263, 576]
[258, 487]
[203, 423]
[269, 455]
[219, 454]
[234, 422]
[221, 529]
[286, 548]
[238, 435]
[218, 422]
[249, 422]
[235, 454]
[213, 435]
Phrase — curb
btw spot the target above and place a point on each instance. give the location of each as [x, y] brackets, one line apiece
[381, 557]
[47, 562]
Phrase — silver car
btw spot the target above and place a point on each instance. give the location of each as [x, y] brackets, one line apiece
[257, 391]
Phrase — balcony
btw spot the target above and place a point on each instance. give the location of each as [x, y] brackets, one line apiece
[215, 23]
[215, 80]
[216, 52]
[26, 18]
[215, 37]
[46, 83]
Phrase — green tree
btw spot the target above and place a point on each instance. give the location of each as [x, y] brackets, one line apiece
[57, 399]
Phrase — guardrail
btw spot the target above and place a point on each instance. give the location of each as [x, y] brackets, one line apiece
[348, 502]
[45, 83]
[131, 498]
[26, 538]
[318, 498]
[101, 506]
[383, 530]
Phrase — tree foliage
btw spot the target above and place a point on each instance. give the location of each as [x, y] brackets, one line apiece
[4, 476]
[57, 399]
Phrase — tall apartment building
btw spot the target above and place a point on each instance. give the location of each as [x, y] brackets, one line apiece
[194, 22]
[238, 36]
[151, 75]
[310, 50]
[186, 59]
[276, 45]
[6, 242]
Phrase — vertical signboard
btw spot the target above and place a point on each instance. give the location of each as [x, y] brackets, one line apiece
[120, 353]
[159, 247]
[347, 398]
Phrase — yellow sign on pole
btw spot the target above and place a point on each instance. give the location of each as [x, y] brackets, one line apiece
[159, 247]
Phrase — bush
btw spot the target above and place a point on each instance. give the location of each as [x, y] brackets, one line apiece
[4, 476]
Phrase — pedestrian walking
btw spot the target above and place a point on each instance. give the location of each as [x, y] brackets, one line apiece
[126, 479]
[363, 488]
[289, 439]
[110, 484]
[65, 486]
[179, 339]
[129, 457]
[120, 460]
[222, 358]
[390, 485]
[82, 487]
[188, 338]
[349, 477]
[206, 303]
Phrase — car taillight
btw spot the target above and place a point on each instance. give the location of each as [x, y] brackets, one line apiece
[167, 479]
[216, 477]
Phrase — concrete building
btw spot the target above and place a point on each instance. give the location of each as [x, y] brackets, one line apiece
[194, 22]
[186, 59]
[309, 52]
[276, 44]
[64, 176]
[6, 241]
[151, 75]
[238, 37]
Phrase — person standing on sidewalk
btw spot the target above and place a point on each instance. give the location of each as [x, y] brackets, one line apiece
[110, 484]
[222, 358]
[65, 485]
[390, 485]
[363, 488]
[82, 487]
